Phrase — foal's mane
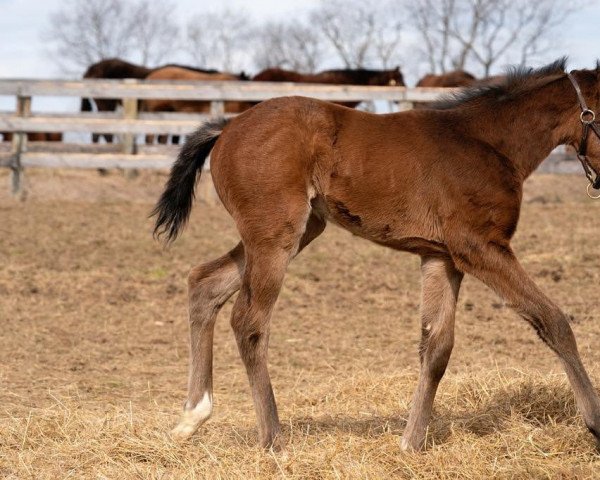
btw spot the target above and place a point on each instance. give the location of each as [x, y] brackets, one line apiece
[518, 81]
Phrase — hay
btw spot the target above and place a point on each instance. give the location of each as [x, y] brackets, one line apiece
[501, 424]
[93, 349]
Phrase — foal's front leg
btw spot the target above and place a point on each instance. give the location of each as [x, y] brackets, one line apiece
[440, 285]
[498, 268]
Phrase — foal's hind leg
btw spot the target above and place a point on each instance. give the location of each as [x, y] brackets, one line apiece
[210, 286]
[266, 263]
[499, 269]
[440, 285]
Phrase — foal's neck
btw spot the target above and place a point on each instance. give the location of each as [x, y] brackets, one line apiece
[525, 129]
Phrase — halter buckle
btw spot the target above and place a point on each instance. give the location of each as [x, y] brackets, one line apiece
[590, 114]
[589, 188]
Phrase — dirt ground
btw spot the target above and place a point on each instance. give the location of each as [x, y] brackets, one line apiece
[93, 347]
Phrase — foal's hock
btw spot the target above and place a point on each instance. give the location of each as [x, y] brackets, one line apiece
[444, 183]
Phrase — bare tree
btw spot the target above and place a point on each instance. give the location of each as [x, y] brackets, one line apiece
[292, 45]
[387, 37]
[155, 36]
[218, 39]
[512, 31]
[456, 34]
[83, 32]
[358, 31]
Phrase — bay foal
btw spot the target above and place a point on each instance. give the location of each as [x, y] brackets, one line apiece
[444, 183]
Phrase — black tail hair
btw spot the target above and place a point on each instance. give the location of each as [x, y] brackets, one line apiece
[175, 203]
[86, 105]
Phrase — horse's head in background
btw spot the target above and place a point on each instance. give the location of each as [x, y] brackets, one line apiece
[116, 68]
[392, 78]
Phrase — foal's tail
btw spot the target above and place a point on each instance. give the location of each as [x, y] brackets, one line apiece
[175, 203]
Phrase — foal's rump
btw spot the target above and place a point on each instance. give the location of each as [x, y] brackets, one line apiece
[267, 166]
[274, 146]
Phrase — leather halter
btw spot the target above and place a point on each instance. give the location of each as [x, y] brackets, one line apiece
[587, 118]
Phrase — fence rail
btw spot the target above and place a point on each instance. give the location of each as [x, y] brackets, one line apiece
[130, 123]
[211, 90]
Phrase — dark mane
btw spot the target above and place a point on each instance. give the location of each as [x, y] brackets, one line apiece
[188, 67]
[360, 71]
[518, 80]
[241, 75]
[359, 75]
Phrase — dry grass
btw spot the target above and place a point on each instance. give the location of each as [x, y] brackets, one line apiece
[493, 425]
[93, 348]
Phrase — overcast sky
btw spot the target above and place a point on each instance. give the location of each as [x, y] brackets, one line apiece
[22, 52]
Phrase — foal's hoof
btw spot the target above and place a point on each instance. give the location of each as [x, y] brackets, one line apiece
[192, 419]
[282, 454]
[596, 435]
[184, 429]
[408, 445]
[273, 443]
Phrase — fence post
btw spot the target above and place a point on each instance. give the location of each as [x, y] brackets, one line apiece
[404, 106]
[19, 145]
[217, 108]
[128, 143]
[130, 112]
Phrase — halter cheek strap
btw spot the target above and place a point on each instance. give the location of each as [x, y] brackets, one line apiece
[588, 120]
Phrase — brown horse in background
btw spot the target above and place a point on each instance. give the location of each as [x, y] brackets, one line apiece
[35, 136]
[457, 78]
[116, 68]
[111, 68]
[360, 76]
[443, 183]
[339, 77]
[488, 81]
[187, 106]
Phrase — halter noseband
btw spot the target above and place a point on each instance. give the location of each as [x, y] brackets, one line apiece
[588, 120]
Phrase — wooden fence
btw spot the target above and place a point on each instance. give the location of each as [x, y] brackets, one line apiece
[129, 123]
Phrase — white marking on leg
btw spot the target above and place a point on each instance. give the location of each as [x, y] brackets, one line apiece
[404, 445]
[193, 418]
